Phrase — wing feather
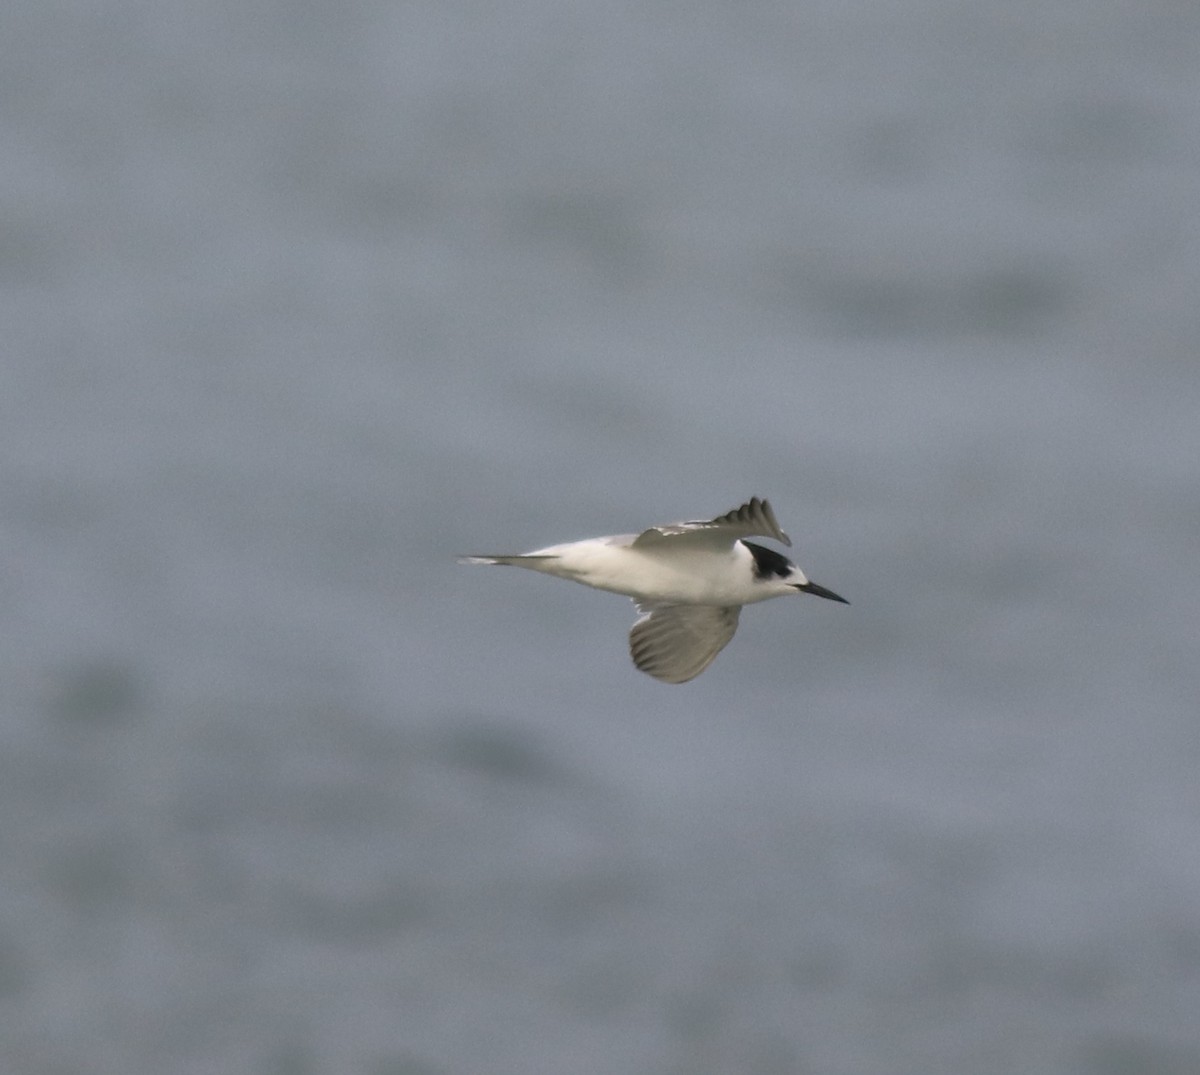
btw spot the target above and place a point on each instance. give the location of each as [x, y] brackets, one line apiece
[676, 643]
[753, 519]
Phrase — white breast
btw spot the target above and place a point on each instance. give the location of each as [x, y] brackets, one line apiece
[660, 574]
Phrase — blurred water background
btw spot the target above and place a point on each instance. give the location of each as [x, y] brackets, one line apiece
[300, 300]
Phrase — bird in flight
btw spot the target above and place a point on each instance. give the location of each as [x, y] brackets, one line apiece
[689, 581]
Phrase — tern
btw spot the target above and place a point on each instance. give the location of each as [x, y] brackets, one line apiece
[689, 581]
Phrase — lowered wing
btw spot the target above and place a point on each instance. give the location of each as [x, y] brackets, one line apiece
[676, 643]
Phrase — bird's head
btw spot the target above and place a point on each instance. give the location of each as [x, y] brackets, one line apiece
[780, 575]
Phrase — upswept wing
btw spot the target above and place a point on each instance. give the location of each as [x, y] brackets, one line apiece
[676, 643]
[753, 519]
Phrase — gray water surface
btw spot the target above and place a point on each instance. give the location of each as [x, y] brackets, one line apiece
[298, 302]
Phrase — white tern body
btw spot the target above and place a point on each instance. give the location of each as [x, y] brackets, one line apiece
[690, 581]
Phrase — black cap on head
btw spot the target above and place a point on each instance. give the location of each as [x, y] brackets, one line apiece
[768, 562]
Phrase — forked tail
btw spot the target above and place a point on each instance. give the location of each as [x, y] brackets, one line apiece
[513, 561]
